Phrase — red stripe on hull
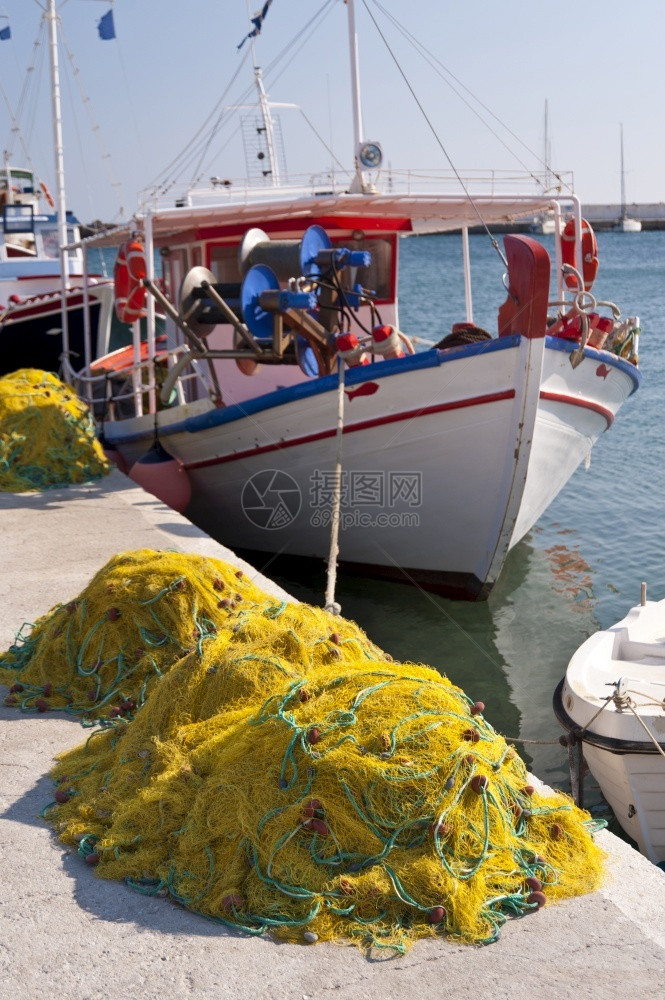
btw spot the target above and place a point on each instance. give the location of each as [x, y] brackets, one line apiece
[586, 404]
[360, 426]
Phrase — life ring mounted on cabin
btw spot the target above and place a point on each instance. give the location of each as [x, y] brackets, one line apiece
[128, 274]
[588, 266]
[47, 195]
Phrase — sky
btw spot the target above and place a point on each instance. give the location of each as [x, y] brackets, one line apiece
[131, 105]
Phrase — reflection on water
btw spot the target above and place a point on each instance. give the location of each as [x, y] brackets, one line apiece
[509, 652]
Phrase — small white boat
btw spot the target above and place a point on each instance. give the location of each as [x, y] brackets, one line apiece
[613, 700]
[625, 223]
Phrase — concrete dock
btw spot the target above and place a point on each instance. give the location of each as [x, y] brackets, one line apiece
[68, 935]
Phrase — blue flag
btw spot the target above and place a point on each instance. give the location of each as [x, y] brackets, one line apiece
[105, 27]
[5, 33]
[257, 21]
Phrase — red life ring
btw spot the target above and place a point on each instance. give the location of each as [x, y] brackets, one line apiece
[128, 274]
[588, 266]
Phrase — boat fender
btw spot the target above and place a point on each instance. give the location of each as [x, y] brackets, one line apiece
[589, 263]
[390, 342]
[128, 274]
[161, 474]
[350, 351]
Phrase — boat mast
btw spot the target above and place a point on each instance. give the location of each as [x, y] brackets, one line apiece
[359, 181]
[264, 104]
[268, 123]
[547, 155]
[623, 177]
[51, 17]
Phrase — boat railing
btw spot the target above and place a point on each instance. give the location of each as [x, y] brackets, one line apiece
[390, 180]
[130, 383]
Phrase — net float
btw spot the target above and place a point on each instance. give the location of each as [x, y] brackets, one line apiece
[11, 701]
[304, 694]
[92, 859]
[92, 696]
[313, 735]
[224, 603]
[115, 712]
[471, 734]
[318, 826]
[113, 614]
[47, 689]
[218, 584]
[528, 789]
[345, 887]
[41, 705]
[312, 806]
[61, 796]
[335, 638]
[469, 759]
[477, 707]
[539, 898]
[239, 574]
[311, 937]
[232, 902]
[436, 915]
[534, 883]
[479, 783]
[15, 688]
[556, 831]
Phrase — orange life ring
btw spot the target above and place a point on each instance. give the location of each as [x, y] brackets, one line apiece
[47, 194]
[128, 274]
[589, 263]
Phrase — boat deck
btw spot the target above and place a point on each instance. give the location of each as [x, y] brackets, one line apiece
[69, 934]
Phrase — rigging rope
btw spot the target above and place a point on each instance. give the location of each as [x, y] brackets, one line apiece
[330, 602]
[443, 149]
[432, 59]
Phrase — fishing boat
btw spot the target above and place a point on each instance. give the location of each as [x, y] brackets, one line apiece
[612, 699]
[306, 418]
[625, 223]
[45, 290]
[31, 281]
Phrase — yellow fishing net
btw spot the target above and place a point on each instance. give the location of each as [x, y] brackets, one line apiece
[47, 437]
[97, 655]
[285, 775]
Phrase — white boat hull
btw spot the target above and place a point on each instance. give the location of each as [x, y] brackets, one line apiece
[613, 699]
[634, 786]
[449, 459]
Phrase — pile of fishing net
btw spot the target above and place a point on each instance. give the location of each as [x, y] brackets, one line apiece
[286, 775]
[47, 436]
[96, 656]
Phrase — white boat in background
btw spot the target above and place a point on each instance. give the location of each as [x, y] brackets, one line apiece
[612, 699]
[45, 289]
[31, 293]
[547, 223]
[625, 223]
[281, 299]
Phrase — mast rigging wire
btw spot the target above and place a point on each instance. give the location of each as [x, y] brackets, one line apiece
[432, 59]
[439, 142]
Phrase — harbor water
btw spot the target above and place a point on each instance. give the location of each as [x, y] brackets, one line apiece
[580, 568]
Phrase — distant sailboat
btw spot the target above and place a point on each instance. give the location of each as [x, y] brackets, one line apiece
[545, 223]
[625, 223]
